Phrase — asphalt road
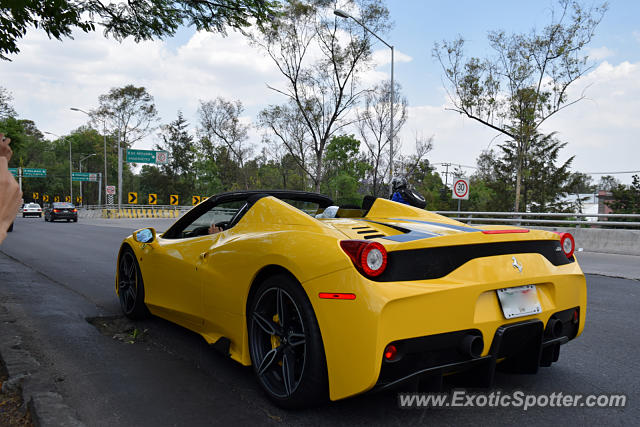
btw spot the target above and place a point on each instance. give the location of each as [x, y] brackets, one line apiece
[54, 276]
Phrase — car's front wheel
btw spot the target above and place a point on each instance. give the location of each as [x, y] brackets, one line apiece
[131, 286]
[285, 344]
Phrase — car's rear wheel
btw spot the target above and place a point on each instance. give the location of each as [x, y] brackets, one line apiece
[285, 344]
[131, 286]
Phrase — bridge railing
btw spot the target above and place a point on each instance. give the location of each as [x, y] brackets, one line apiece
[547, 219]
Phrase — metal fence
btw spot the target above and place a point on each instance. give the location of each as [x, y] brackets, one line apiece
[547, 218]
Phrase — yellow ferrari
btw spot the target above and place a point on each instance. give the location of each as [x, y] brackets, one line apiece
[331, 302]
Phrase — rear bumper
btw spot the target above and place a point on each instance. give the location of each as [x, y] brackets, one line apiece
[31, 214]
[55, 216]
[356, 332]
[520, 347]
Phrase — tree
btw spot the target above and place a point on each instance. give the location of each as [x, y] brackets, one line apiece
[6, 109]
[220, 123]
[182, 155]
[544, 182]
[128, 110]
[374, 122]
[289, 131]
[528, 80]
[142, 20]
[323, 85]
[345, 168]
[608, 183]
[626, 199]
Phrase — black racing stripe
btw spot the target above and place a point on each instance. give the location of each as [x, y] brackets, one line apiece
[432, 263]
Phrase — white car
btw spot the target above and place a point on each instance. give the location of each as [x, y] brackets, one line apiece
[32, 209]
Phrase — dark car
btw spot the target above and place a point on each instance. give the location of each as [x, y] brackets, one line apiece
[60, 210]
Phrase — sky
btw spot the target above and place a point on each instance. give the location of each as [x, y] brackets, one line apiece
[48, 77]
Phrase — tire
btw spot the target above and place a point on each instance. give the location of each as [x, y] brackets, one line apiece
[285, 344]
[131, 286]
[24, 216]
[75, 220]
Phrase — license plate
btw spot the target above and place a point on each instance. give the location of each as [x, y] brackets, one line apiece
[520, 301]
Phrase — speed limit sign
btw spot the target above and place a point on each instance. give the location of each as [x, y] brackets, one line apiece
[460, 189]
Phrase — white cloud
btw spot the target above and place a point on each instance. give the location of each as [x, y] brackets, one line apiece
[600, 53]
[48, 76]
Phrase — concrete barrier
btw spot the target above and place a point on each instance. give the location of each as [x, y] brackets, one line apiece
[129, 213]
[611, 241]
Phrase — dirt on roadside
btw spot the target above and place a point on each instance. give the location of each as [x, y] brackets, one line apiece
[13, 412]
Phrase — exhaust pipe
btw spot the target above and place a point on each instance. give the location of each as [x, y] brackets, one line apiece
[554, 328]
[472, 345]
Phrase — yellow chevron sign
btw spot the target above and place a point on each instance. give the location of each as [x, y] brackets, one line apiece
[133, 198]
[36, 196]
[195, 200]
[173, 200]
[153, 199]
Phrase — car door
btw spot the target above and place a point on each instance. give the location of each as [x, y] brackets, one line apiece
[173, 282]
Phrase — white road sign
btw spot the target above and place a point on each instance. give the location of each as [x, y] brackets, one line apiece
[460, 189]
[111, 189]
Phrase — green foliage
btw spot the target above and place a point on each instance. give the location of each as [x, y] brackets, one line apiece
[141, 19]
[544, 181]
[626, 199]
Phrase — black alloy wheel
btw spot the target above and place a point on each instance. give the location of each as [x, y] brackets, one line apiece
[130, 286]
[285, 344]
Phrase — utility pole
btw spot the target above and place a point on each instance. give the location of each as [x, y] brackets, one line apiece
[119, 172]
[446, 174]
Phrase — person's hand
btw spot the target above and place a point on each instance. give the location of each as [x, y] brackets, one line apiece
[5, 150]
[10, 197]
[214, 229]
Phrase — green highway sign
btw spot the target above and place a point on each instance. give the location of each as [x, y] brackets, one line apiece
[34, 173]
[14, 171]
[84, 176]
[147, 156]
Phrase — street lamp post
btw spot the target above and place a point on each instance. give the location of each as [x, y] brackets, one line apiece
[81, 160]
[343, 14]
[104, 135]
[70, 167]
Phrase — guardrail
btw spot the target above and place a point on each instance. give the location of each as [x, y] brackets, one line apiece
[533, 218]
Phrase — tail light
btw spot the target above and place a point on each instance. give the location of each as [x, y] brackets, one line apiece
[56, 210]
[567, 244]
[368, 257]
[75, 210]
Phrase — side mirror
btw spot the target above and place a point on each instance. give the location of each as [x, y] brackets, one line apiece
[146, 235]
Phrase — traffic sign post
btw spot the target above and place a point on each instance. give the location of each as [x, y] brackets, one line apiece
[133, 198]
[56, 198]
[45, 198]
[147, 156]
[173, 200]
[153, 199]
[78, 200]
[84, 176]
[67, 199]
[34, 173]
[460, 190]
[36, 196]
